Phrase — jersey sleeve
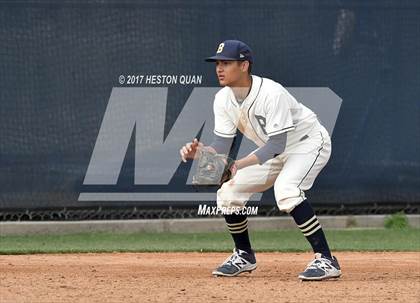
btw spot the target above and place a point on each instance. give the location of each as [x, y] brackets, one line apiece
[278, 115]
[223, 125]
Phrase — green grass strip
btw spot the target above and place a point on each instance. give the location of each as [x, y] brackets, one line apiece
[280, 240]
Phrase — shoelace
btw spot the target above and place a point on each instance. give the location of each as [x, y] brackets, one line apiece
[233, 259]
[320, 264]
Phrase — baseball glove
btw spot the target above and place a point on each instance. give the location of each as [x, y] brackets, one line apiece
[213, 169]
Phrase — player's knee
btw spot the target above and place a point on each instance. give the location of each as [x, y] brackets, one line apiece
[222, 196]
[288, 197]
[228, 198]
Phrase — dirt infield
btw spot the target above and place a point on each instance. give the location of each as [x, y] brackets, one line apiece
[185, 277]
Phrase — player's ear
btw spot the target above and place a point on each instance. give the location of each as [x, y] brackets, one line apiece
[244, 66]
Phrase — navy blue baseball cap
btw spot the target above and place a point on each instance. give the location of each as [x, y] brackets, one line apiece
[232, 50]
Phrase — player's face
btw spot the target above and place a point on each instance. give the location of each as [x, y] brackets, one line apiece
[230, 72]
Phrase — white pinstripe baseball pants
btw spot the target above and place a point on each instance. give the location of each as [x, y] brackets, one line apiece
[291, 173]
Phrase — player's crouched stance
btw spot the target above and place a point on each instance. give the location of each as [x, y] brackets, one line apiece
[293, 149]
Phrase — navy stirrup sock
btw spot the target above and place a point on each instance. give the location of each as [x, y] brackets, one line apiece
[238, 228]
[308, 223]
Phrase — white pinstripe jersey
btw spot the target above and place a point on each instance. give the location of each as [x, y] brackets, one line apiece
[268, 110]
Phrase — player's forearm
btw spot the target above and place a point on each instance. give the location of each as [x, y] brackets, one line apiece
[247, 161]
[274, 147]
[221, 145]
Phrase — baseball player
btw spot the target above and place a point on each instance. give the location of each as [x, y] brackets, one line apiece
[293, 147]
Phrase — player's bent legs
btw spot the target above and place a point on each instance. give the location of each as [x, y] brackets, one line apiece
[298, 174]
[234, 195]
[247, 181]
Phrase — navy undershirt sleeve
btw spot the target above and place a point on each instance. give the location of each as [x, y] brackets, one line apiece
[274, 147]
[222, 145]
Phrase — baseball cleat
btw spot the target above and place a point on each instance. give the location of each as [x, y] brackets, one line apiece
[240, 261]
[321, 268]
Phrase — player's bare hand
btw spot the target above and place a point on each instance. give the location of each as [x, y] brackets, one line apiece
[189, 150]
[233, 169]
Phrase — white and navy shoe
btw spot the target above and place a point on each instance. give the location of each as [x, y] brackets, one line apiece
[240, 261]
[321, 268]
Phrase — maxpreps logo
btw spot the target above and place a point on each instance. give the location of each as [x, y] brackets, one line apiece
[142, 111]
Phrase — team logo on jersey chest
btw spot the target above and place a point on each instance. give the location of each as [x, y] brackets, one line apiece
[262, 122]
